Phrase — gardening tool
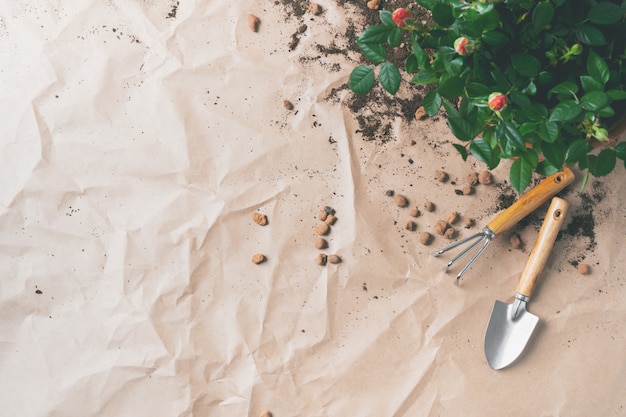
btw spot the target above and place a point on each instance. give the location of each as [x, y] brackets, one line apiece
[509, 217]
[511, 325]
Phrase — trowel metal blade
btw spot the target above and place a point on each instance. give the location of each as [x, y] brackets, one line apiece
[506, 337]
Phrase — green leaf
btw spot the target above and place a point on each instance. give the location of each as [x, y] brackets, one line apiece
[605, 112]
[481, 150]
[461, 149]
[590, 84]
[549, 131]
[424, 77]
[527, 128]
[617, 94]
[598, 68]
[376, 34]
[605, 13]
[375, 52]
[461, 128]
[432, 102]
[450, 109]
[361, 79]
[451, 87]
[525, 64]
[427, 4]
[594, 100]
[390, 77]
[495, 38]
[554, 153]
[546, 168]
[590, 35]
[542, 15]
[577, 151]
[603, 163]
[423, 60]
[386, 18]
[566, 87]
[395, 37]
[520, 174]
[620, 151]
[442, 14]
[410, 64]
[565, 111]
[508, 130]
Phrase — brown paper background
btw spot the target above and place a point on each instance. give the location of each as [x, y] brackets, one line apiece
[137, 139]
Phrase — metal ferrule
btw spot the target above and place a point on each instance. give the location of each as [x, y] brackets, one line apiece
[522, 297]
[489, 233]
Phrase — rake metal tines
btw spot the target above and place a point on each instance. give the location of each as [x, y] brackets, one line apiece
[484, 237]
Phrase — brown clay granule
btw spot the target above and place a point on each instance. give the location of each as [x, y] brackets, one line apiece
[265, 413]
[401, 201]
[450, 233]
[441, 226]
[420, 113]
[259, 218]
[410, 225]
[315, 9]
[288, 104]
[468, 222]
[253, 22]
[429, 206]
[258, 258]
[426, 238]
[441, 176]
[583, 269]
[414, 212]
[322, 229]
[468, 190]
[331, 219]
[321, 243]
[453, 217]
[472, 178]
[516, 241]
[334, 259]
[321, 259]
[373, 4]
[485, 177]
[322, 215]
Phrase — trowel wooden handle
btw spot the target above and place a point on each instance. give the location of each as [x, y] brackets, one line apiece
[543, 246]
[531, 200]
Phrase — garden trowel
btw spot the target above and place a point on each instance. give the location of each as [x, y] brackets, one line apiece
[511, 325]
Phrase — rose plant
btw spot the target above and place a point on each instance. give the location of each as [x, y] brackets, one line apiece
[538, 82]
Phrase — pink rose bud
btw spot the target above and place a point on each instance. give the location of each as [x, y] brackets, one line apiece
[497, 101]
[399, 16]
[461, 46]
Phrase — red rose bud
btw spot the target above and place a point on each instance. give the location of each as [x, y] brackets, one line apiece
[497, 101]
[462, 46]
[399, 16]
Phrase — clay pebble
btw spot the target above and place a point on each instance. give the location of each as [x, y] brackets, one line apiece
[373, 4]
[410, 225]
[441, 176]
[583, 269]
[323, 229]
[516, 241]
[429, 206]
[321, 243]
[450, 233]
[258, 258]
[441, 226]
[334, 259]
[400, 200]
[472, 178]
[315, 9]
[265, 413]
[468, 190]
[485, 177]
[414, 212]
[288, 104]
[453, 217]
[322, 215]
[426, 238]
[259, 218]
[253, 22]
[321, 259]
[331, 219]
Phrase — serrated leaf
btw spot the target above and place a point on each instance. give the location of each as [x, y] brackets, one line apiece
[598, 68]
[375, 52]
[604, 163]
[361, 79]
[508, 130]
[520, 174]
[461, 149]
[375, 34]
[461, 128]
[395, 37]
[590, 35]
[542, 15]
[432, 102]
[605, 13]
[390, 77]
[594, 100]
[481, 150]
[577, 151]
[525, 64]
[565, 111]
[620, 150]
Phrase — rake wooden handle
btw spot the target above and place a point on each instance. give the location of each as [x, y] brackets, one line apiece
[531, 200]
[543, 246]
